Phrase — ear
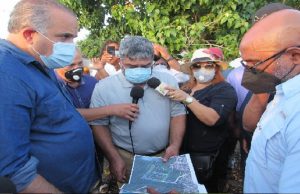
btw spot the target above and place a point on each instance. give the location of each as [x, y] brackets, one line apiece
[295, 54]
[28, 34]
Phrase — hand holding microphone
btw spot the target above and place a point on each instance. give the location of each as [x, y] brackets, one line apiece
[179, 95]
[172, 93]
[176, 94]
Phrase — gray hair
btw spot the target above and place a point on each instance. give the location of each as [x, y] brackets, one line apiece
[33, 13]
[136, 47]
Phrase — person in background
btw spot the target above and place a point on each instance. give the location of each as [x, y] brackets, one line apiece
[166, 63]
[234, 78]
[209, 101]
[271, 56]
[108, 62]
[159, 127]
[162, 52]
[81, 86]
[46, 146]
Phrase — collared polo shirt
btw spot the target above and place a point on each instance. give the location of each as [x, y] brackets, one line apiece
[150, 130]
[40, 130]
[273, 162]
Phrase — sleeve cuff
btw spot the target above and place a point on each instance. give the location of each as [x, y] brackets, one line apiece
[26, 174]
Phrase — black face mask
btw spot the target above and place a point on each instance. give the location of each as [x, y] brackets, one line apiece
[74, 75]
[260, 82]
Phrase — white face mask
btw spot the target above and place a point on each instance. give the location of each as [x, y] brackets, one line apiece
[203, 75]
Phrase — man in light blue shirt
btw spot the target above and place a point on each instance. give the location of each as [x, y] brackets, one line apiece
[271, 56]
[159, 125]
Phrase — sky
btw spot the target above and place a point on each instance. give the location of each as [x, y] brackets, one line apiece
[6, 7]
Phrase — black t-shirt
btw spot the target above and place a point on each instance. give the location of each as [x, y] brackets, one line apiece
[200, 137]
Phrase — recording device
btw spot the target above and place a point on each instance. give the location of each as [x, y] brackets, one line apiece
[157, 85]
[7, 186]
[136, 93]
[112, 50]
[74, 75]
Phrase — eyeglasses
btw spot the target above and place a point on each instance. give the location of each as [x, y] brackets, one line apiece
[254, 69]
[206, 65]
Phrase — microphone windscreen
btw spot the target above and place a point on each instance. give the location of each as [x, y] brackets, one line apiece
[153, 82]
[137, 92]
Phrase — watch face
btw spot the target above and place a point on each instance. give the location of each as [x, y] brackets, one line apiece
[188, 100]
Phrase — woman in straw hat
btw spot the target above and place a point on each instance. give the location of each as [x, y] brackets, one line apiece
[209, 101]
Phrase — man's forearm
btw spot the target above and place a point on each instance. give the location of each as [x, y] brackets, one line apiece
[177, 130]
[91, 114]
[253, 111]
[104, 140]
[40, 185]
[101, 74]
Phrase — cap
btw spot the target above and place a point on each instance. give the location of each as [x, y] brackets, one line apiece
[202, 55]
[216, 52]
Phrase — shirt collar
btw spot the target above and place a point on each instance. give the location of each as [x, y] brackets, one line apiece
[16, 52]
[289, 87]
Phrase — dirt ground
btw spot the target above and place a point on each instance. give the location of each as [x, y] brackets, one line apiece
[235, 175]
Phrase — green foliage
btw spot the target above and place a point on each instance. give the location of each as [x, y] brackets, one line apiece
[181, 25]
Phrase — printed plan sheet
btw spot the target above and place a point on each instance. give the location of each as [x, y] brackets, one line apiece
[177, 174]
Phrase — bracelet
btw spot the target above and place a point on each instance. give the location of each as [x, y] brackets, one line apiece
[169, 59]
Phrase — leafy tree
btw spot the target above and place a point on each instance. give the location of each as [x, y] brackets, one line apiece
[181, 25]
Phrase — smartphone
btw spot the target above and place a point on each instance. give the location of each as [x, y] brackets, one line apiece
[111, 50]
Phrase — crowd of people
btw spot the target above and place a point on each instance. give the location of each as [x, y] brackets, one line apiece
[60, 125]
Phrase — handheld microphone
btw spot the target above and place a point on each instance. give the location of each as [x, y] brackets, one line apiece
[7, 186]
[157, 85]
[136, 93]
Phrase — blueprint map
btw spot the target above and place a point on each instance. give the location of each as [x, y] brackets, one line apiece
[176, 174]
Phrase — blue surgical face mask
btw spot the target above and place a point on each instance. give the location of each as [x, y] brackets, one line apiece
[62, 54]
[203, 75]
[138, 75]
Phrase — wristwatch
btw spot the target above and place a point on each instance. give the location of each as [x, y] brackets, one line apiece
[188, 100]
